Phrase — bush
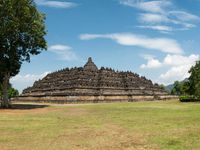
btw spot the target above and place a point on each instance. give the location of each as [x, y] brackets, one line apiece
[188, 98]
[12, 93]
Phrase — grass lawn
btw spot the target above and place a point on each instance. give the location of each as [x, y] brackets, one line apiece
[138, 125]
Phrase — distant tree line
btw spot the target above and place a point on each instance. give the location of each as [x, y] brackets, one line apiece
[180, 88]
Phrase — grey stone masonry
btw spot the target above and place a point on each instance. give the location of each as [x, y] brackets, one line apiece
[91, 81]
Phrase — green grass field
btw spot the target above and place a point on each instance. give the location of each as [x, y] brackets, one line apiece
[138, 125]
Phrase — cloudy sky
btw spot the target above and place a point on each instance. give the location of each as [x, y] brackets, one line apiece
[155, 38]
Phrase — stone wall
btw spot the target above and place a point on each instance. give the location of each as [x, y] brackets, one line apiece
[89, 83]
[91, 99]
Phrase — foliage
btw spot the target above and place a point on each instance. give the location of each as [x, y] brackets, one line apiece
[1, 78]
[162, 86]
[189, 98]
[12, 92]
[190, 88]
[180, 88]
[194, 80]
[22, 32]
[1, 94]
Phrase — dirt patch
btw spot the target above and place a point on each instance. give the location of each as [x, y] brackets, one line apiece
[109, 137]
[21, 109]
[74, 111]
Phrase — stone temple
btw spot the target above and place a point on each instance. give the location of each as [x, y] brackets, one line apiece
[90, 84]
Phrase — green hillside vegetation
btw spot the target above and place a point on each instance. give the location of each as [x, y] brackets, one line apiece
[169, 88]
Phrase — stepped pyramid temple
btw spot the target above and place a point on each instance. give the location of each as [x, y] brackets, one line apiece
[90, 84]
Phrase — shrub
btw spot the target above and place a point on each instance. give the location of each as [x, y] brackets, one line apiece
[187, 98]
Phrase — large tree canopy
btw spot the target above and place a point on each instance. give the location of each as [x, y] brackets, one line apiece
[22, 32]
[194, 80]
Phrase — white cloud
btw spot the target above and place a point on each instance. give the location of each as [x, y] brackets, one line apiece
[28, 77]
[152, 18]
[165, 29]
[178, 67]
[157, 19]
[163, 12]
[162, 44]
[23, 81]
[178, 60]
[151, 63]
[184, 16]
[177, 73]
[55, 4]
[93, 36]
[63, 52]
[150, 6]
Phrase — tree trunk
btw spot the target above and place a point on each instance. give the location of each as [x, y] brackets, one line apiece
[5, 101]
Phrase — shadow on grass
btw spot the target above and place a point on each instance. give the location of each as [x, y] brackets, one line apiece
[27, 106]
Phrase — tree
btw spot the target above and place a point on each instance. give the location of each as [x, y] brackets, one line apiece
[162, 87]
[0, 92]
[12, 92]
[175, 90]
[194, 80]
[180, 88]
[22, 32]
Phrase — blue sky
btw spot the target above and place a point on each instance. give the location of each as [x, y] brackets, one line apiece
[155, 38]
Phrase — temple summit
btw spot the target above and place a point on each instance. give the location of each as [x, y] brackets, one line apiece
[90, 84]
